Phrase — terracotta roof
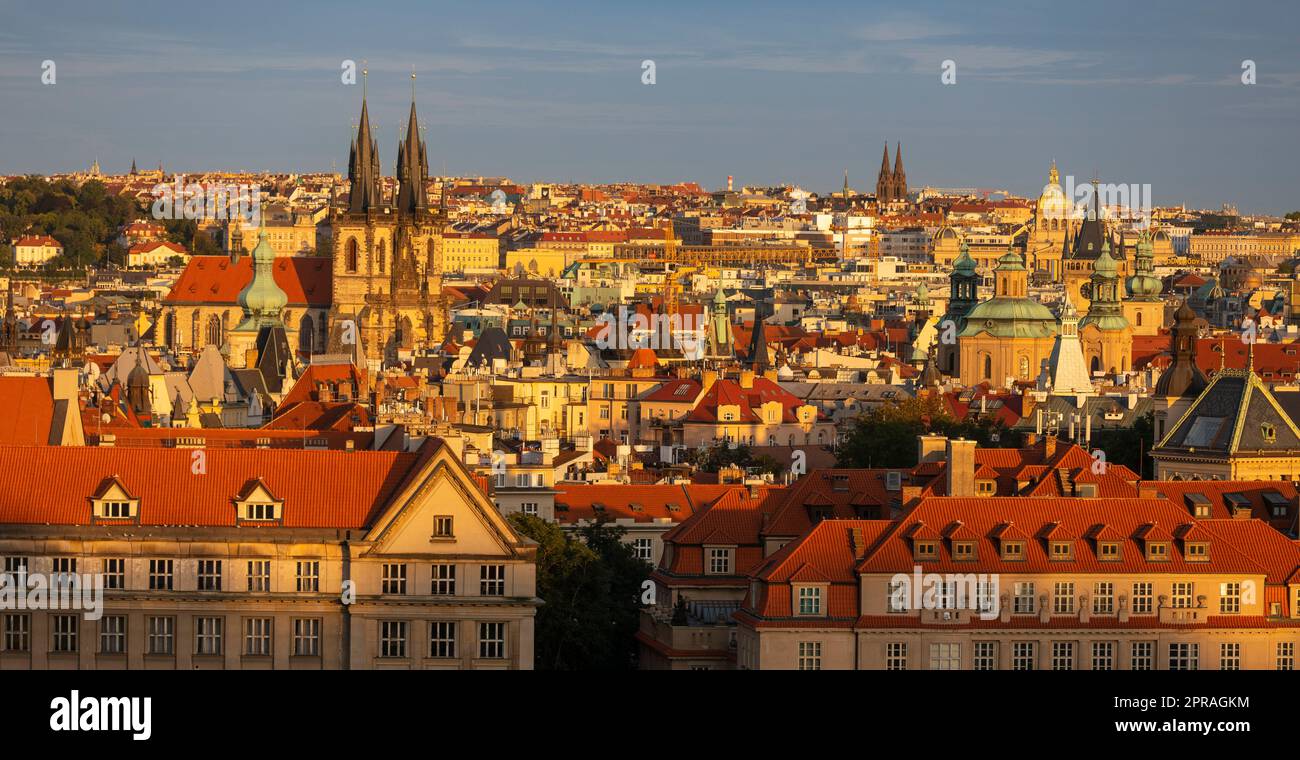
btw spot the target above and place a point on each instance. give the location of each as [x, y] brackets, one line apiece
[321, 489]
[306, 280]
[26, 410]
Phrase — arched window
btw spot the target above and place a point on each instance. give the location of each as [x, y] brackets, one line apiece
[1139, 319]
[1024, 366]
[215, 332]
[1096, 364]
[988, 367]
[350, 258]
[306, 334]
[381, 255]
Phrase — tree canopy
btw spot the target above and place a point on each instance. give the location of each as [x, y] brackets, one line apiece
[886, 435]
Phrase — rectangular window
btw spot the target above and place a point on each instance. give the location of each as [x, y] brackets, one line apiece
[207, 635]
[209, 575]
[1143, 655]
[1024, 655]
[1103, 598]
[161, 635]
[259, 575]
[810, 655]
[1230, 657]
[444, 580]
[491, 641]
[492, 580]
[392, 638]
[442, 527]
[394, 581]
[1181, 597]
[896, 655]
[115, 573]
[529, 508]
[1103, 655]
[15, 565]
[306, 637]
[17, 632]
[1230, 598]
[307, 576]
[112, 634]
[257, 636]
[945, 656]
[63, 630]
[160, 574]
[1023, 601]
[720, 561]
[810, 600]
[1143, 596]
[1286, 655]
[644, 549]
[1062, 655]
[1063, 598]
[63, 568]
[986, 655]
[1184, 656]
[442, 638]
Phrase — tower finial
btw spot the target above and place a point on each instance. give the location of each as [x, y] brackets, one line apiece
[364, 76]
[1250, 356]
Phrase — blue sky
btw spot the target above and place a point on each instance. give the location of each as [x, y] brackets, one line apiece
[768, 92]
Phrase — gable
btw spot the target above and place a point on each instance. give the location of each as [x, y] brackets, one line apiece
[442, 488]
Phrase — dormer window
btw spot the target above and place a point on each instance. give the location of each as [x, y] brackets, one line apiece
[1061, 551]
[258, 504]
[443, 526]
[1108, 551]
[963, 551]
[925, 550]
[1198, 551]
[113, 502]
[810, 600]
[1268, 432]
[1013, 551]
[1158, 551]
[985, 487]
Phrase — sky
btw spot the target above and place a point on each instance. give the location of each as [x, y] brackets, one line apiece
[772, 93]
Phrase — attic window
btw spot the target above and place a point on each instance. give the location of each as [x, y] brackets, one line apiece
[963, 551]
[1197, 552]
[1062, 551]
[1108, 551]
[1013, 551]
[840, 483]
[985, 487]
[1269, 432]
[925, 550]
[1158, 551]
[259, 511]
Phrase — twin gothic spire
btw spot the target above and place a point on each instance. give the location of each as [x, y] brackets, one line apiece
[366, 176]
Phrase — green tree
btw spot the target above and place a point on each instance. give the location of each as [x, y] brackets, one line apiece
[1129, 446]
[714, 458]
[886, 435]
[591, 586]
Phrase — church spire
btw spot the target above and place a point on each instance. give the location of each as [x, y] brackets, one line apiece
[412, 166]
[363, 163]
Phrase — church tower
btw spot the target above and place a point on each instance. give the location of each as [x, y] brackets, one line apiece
[885, 180]
[963, 295]
[900, 176]
[388, 253]
[1107, 336]
[1144, 308]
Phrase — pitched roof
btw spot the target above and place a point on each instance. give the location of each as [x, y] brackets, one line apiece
[305, 280]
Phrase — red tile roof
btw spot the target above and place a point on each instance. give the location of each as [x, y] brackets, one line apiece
[306, 280]
[26, 410]
[321, 489]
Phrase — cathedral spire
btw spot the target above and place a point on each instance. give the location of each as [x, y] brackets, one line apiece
[363, 163]
[412, 166]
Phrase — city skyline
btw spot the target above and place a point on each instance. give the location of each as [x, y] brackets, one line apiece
[774, 96]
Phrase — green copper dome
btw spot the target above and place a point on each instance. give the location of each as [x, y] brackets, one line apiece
[964, 263]
[1011, 261]
[262, 299]
[1011, 318]
[1105, 265]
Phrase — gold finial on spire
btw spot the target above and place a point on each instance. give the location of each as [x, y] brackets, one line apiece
[364, 73]
[1250, 355]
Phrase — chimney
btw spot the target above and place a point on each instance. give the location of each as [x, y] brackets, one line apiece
[747, 379]
[1242, 512]
[1031, 440]
[1147, 490]
[1049, 446]
[708, 378]
[961, 467]
[930, 448]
